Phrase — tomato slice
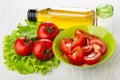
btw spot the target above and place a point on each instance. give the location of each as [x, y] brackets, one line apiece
[87, 50]
[65, 45]
[77, 56]
[78, 32]
[79, 41]
[85, 34]
[92, 58]
[98, 45]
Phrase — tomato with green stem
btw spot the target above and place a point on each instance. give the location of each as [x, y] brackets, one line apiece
[43, 49]
[47, 30]
[23, 46]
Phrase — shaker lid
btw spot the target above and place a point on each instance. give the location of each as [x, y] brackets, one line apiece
[104, 10]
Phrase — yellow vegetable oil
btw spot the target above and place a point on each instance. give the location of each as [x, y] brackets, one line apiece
[62, 17]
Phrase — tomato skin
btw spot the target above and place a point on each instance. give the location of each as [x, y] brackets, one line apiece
[77, 56]
[47, 30]
[98, 45]
[22, 48]
[79, 41]
[93, 58]
[43, 49]
[65, 45]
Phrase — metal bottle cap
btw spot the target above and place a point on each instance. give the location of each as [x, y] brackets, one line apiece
[31, 15]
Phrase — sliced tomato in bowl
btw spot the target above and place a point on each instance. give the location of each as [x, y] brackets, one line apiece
[65, 45]
[77, 56]
[79, 40]
[80, 32]
[85, 34]
[98, 45]
[93, 58]
[84, 48]
[87, 50]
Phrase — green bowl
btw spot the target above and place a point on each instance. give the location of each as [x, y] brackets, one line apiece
[102, 33]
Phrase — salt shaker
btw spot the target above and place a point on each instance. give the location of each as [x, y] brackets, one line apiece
[104, 15]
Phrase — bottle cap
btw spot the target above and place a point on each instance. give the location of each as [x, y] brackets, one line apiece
[104, 10]
[31, 15]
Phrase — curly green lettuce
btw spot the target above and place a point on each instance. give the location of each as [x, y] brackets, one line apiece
[27, 64]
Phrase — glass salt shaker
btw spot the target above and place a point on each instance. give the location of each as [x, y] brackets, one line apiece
[104, 14]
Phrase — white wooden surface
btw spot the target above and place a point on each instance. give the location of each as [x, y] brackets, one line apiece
[14, 11]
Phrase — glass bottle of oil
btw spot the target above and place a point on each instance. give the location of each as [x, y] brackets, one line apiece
[63, 18]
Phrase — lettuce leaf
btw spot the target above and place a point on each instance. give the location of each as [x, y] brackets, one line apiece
[27, 64]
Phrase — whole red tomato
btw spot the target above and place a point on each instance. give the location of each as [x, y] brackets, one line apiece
[43, 49]
[47, 30]
[23, 46]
